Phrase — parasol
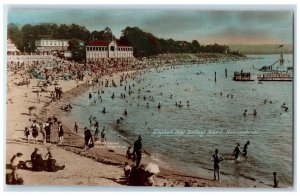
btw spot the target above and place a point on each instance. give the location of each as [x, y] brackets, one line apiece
[152, 168]
[31, 108]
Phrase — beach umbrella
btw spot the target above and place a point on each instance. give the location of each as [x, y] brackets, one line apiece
[31, 108]
[152, 168]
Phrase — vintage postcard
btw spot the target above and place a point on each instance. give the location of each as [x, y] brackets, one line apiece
[149, 96]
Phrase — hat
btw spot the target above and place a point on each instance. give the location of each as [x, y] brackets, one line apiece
[238, 144]
[36, 149]
[140, 137]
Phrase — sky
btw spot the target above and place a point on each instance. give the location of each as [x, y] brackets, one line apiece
[207, 26]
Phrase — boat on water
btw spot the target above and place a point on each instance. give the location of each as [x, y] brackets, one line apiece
[276, 75]
[242, 76]
[266, 68]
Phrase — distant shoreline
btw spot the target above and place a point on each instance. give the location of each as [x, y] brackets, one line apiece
[262, 49]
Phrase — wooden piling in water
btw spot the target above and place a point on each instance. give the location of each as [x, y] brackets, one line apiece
[226, 73]
[215, 76]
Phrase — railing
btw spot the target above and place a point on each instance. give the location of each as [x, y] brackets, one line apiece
[29, 57]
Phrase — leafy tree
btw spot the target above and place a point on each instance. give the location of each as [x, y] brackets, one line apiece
[15, 35]
[78, 50]
[144, 43]
[195, 46]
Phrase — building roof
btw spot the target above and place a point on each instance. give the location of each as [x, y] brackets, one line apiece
[105, 43]
[99, 43]
[120, 43]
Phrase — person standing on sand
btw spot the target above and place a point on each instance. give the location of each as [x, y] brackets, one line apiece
[103, 135]
[16, 161]
[276, 182]
[137, 150]
[35, 130]
[96, 133]
[60, 133]
[60, 92]
[48, 131]
[216, 158]
[87, 137]
[76, 128]
[27, 134]
[43, 131]
[33, 156]
[38, 162]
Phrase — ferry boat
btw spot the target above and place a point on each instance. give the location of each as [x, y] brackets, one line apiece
[276, 75]
[241, 76]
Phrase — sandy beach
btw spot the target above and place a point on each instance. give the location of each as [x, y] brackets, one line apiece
[90, 167]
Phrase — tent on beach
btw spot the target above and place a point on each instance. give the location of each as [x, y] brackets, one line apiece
[37, 76]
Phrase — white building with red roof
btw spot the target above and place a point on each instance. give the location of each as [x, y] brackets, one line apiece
[98, 50]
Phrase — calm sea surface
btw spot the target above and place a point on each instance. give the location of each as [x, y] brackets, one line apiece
[185, 137]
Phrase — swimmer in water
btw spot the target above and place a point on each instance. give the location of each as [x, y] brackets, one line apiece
[254, 112]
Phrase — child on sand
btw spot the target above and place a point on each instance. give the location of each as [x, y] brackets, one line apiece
[27, 134]
[49, 153]
[129, 153]
[127, 170]
[60, 133]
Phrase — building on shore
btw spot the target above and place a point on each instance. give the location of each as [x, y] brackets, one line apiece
[50, 46]
[11, 48]
[99, 50]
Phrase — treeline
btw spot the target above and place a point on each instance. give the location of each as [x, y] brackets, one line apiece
[144, 43]
[25, 37]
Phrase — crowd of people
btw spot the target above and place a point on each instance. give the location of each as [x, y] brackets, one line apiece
[36, 163]
[45, 130]
[92, 72]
